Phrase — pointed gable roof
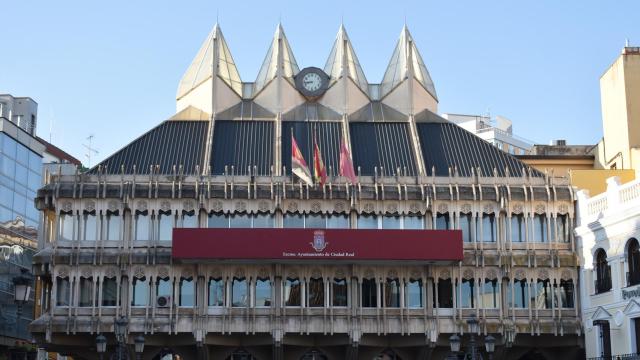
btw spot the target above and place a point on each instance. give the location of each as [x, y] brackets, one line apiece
[343, 60]
[406, 60]
[269, 69]
[201, 67]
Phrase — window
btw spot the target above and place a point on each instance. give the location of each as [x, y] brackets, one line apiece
[633, 262]
[163, 287]
[445, 294]
[339, 288]
[293, 221]
[165, 226]
[392, 293]
[465, 226]
[413, 293]
[90, 228]
[86, 292]
[562, 228]
[63, 289]
[391, 222]
[109, 292]
[66, 227]
[142, 226]
[218, 220]
[292, 292]
[316, 292]
[315, 221]
[190, 220]
[442, 222]
[216, 292]
[490, 294]
[466, 293]
[564, 294]
[518, 295]
[239, 292]
[517, 228]
[603, 272]
[539, 228]
[240, 221]
[187, 292]
[367, 221]
[413, 222]
[113, 226]
[543, 294]
[140, 296]
[263, 220]
[488, 227]
[263, 292]
[369, 293]
[338, 221]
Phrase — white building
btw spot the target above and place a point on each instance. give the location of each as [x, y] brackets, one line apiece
[607, 234]
[498, 131]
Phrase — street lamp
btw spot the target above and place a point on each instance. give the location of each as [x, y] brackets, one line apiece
[22, 289]
[490, 345]
[139, 344]
[454, 342]
[101, 345]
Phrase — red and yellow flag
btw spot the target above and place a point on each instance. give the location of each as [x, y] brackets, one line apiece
[298, 165]
[346, 166]
[319, 170]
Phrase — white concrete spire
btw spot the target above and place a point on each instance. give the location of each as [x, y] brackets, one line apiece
[343, 60]
[269, 69]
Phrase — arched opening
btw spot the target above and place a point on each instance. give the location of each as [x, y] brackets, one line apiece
[314, 354]
[603, 272]
[241, 354]
[387, 354]
[633, 261]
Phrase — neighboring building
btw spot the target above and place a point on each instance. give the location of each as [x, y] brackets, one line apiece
[20, 178]
[197, 233]
[609, 223]
[498, 131]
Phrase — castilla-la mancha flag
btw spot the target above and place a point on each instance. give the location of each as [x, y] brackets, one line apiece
[319, 170]
[298, 165]
[346, 166]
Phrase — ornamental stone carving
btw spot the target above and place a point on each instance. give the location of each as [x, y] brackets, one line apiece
[187, 273]
[540, 209]
[392, 208]
[216, 206]
[263, 206]
[517, 209]
[543, 274]
[444, 274]
[66, 206]
[86, 272]
[467, 274]
[491, 274]
[238, 273]
[292, 206]
[316, 207]
[340, 273]
[165, 206]
[339, 207]
[488, 209]
[392, 274]
[316, 273]
[188, 205]
[519, 274]
[241, 206]
[465, 208]
[111, 272]
[369, 207]
[163, 272]
[292, 273]
[90, 206]
[369, 274]
[414, 207]
[563, 208]
[263, 273]
[113, 206]
[415, 274]
[141, 206]
[443, 208]
[63, 271]
[566, 275]
[138, 272]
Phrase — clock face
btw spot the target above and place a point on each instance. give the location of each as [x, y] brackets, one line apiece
[312, 82]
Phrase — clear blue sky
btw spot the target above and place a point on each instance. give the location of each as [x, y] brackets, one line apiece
[112, 68]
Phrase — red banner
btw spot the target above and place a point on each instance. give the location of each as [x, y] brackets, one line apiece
[274, 245]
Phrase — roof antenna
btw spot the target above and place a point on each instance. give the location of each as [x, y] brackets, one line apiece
[90, 150]
[217, 14]
[626, 42]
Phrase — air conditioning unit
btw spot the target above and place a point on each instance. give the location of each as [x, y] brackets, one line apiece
[163, 301]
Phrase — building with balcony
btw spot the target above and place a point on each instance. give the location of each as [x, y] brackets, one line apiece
[199, 235]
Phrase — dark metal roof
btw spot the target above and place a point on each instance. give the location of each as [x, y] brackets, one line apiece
[382, 145]
[172, 143]
[447, 145]
[328, 135]
[242, 144]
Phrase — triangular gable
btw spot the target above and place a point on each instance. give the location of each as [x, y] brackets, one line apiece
[632, 308]
[269, 69]
[341, 55]
[601, 314]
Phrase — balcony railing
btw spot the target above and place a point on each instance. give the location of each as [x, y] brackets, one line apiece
[617, 357]
[618, 197]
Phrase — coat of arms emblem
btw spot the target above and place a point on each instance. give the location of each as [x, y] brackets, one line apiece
[318, 243]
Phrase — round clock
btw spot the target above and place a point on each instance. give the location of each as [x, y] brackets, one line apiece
[312, 81]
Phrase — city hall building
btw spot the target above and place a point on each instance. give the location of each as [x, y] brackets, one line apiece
[198, 234]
